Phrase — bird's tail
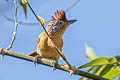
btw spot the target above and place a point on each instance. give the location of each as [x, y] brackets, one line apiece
[33, 54]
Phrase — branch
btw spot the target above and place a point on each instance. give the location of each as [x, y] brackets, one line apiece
[20, 22]
[72, 5]
[49, 64]
[16, 25]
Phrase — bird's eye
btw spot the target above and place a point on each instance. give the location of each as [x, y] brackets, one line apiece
[60, 22]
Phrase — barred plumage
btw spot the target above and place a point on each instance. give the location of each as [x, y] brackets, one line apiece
[54, 27]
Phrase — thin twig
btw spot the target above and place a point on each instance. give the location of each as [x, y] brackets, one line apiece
[72, 5]
[55, 47]
[49, 64]
[20, 22]
[16, 25]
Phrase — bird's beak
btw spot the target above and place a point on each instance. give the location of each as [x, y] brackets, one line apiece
[71, 21]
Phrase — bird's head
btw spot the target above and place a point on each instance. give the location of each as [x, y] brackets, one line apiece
[62, 17]
[59, 23]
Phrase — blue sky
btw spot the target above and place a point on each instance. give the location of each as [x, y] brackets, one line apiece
[98, 24]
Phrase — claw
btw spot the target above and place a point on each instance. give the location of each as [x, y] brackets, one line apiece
[35, 61]
[54, 65]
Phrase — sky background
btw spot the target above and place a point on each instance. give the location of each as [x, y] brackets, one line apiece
[98, 24]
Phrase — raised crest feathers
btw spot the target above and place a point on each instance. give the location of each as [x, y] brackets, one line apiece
[59, 15]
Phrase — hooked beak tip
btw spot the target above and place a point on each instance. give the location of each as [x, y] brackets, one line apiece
[71, 21]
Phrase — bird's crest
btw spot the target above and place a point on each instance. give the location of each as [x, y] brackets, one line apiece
[59, 15]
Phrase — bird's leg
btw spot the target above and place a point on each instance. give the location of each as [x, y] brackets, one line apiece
[54, 64]
[35, 55]
[35, 61]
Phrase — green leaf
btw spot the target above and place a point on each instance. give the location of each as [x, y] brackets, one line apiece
[100, 61]
[24, 8]
[118, 58]
[115, 71]
[92, 70]
[104, 69]
[90, 54]
[98, 70]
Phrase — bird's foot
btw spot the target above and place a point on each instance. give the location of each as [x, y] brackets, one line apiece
[35, 61]
[54, 64]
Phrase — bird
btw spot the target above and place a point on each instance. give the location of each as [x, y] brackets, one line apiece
[56, 28]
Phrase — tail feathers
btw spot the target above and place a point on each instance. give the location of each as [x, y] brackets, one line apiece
[33, 54]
